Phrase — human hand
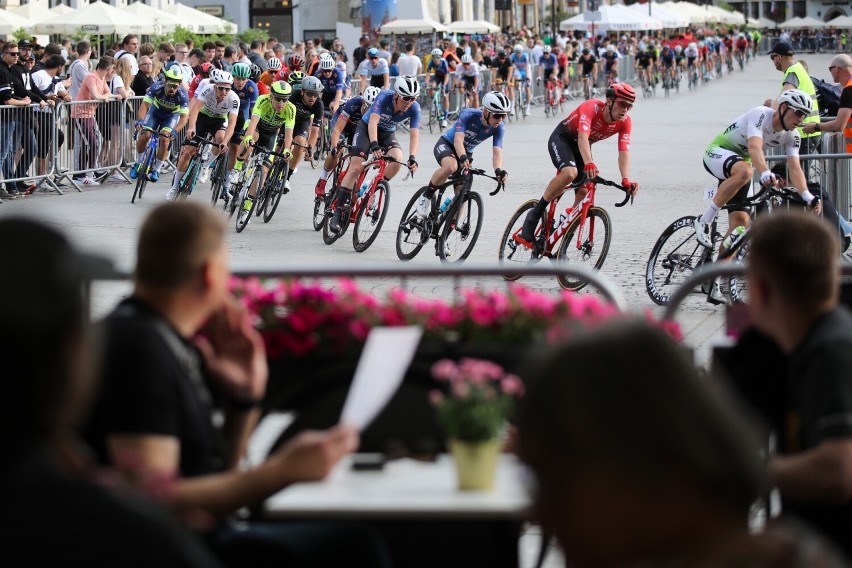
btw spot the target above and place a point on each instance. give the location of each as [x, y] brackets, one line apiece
[311, 455]
[767, 178]
[816, 205]
[631, 186]
[767, 103]
[376, 150]
[591, 170]
[234, 354]
[412, 164]
[287, 154]
[501, 175]
[190, 133]
[809, 127]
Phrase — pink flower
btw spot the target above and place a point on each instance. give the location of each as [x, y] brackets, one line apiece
[512, 385]
[445, 370]
[460, 389]
[436, 396]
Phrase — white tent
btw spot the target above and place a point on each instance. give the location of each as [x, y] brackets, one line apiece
[62, 9]
[762, 23]
[97, 18]
[695, 14]
[421, 26]
[10, 22]
[797, 23]
[473, 27]
[648, 22]
[611, 19]
[840, 22]
[200, 22]
[668, 18]
[160, 20]
[35, 11]
[724, 16]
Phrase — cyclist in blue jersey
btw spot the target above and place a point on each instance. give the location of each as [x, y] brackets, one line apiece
[247, 92]
[523, 73]
[376, 132]
[438, 73]
[344, 123]
[332, 83]
[374, 70]
[165, 109]
[548, 64]
[455, 146]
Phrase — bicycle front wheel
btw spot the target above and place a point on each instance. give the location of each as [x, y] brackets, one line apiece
[274, 190]
[675, 256]
[433, 117]
[585, 244]
[739, 284]
[219, 173]
[329, 236]
[511, 251]
[244, 214]
[413, 232]
[458, 236]
[371, 217]
[187, 182]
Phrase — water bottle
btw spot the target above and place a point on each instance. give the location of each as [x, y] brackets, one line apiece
[734, 237]
[364, 186]
[446, 203]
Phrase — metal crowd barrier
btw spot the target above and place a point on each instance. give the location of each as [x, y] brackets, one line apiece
[828, 44]
[28, 143]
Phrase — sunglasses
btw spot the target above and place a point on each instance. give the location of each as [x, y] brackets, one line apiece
[833, 67]
[310, 94]
[170, 85]
[13, 53]
[624, 105]
[280, 99]
[328, 70]
[373, 58]
[408, 99]
[498, 115]
[800, 114]
[223, 89]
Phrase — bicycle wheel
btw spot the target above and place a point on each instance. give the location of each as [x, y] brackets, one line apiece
[187, 182]
[459, 237]
[675, 256]
[260, 193]
[547, 100]
[142, 175]
[371, 217]
[433, 117]
[738, 285]
[216, 181]
[243, 214]
[413, 232]
[328, 236]
[513, 252]
[586, 243]
[274, 191]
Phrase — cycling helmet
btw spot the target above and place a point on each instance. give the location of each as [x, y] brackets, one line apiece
[586, 52]
[295, 61]
[501, 53]
[466, 58]
[678, 48]
[219, 76]
[255, 72]
[311, 85]
[174, 74]
[372, 52]
[295, 79]
[518, 48]
[547, 49]
[701, 44]
[280, 89]
[370, 94]
[241, 70]
[496, 101]
[407, 86]
[437, 52]
[610, 47]
[797, 100]
[203, 69]
[693, 45]
[326, 55]
[326, 64]
[621, 91]
[274, 64]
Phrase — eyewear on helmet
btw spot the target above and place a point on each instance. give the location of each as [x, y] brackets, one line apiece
[799, 113]
[833, 67]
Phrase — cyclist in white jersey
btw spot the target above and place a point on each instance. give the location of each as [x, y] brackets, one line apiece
[468, 74]
[212, 106]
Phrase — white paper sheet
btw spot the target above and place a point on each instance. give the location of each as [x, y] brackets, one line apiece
[386, 357]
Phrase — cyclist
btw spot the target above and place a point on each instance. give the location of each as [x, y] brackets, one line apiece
[438, 73]
[523, 72]
[454, 148]
[213, 104]
[202, 73]
[704, 60]
[246, 91]
[570, 147]
[344, 123]
[273, 66]
[295, 62]
[734, 154]
[667, 63]
[254, 75]
[376, 69]
[376, 132]
[548, 64]
[693, 58]
[645, 66]
[309, 109]
[588, 71]
[270, 113]
[332, 82]
[468, 77]
[164, 109]
[610, 58]
[741, 46]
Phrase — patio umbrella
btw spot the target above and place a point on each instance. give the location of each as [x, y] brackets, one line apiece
[97, 18]
[160, 20]
[200, 22]
[611, 19]
[10, 22]
[35, 11]
[473, 27]
[761, 23]
[840, 22]
[420, 26]
[797, 23]
[62, 9]
[669, 18]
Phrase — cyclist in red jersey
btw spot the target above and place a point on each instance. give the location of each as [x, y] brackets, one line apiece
[570, 147]
[203, 72]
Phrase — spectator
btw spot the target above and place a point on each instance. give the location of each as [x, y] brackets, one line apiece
[393, 68]
[109, 115]
[52, 505]
[148, 418]
[24, 139]
[146, 49]
[65, 48]
[384, 53]
[242, 53]
[271, 42]
[359, 54]
[255, 54]
[129, 49]
[196, 57]
[49, 50]
[210, 52]
[48, 81]
[165, 55]
[87, 137]
[218, 61]
[182, 59]
[410, 64]
[279, 51]
[640, 461]
[145, 78]
[230, 58]
[337, 47]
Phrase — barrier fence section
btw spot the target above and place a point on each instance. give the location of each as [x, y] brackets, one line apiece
[810, 44]
[28, 147]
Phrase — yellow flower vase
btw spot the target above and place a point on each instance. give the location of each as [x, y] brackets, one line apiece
[476, 463]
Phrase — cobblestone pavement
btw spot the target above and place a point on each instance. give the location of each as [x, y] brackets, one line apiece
[669, 135]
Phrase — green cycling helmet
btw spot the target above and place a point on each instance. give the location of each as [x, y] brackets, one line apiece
[295, 78]
[280, 89]
[174, 74]
[241, 71]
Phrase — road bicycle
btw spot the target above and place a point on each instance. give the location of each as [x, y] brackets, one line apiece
[454, 222]
[521, 98]
[146, 166]
[552, 96]
[193, 169]
[436, 108]
[740, 60]
[668, 80]
[267, 184]
[321, 203]
[648, 89]
[217, 177]
[367, 207]
[677, 252]
[576, 231]
[323, 141]
[692, 77]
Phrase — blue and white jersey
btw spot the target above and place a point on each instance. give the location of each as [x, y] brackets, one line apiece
[158, 99]
[470, 122]
[380, 68]
[520, 62]
[439, 67]
[330, 83]
[248, 96]
[350, 111]
[383, 106]
[548, 61]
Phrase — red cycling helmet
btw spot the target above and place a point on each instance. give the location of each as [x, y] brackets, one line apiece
[621, 91]
[204, 69]
[295, 62]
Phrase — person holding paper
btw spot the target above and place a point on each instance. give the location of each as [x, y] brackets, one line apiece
[162, 385]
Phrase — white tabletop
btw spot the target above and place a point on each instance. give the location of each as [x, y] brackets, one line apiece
[405, 488]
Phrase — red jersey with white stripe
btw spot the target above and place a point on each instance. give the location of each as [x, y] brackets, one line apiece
[589, 118]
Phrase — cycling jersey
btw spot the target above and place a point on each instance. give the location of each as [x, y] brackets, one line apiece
[548, 61]
[375, 73]
[159, 101]
[283, 74]
[439, 69]
[742, 44]
[267, 77]
[589, 118]
[196, 82]
[756, 122]
[248, 96]
[468, 71]
[331, 83]
[587, 64]
[667, 58]
[520, 62]
[644, 59]
[271, 119]
[305, 112]
[610, 58]
[215, 108]
[383, 106]
[503, 68]
[470, 122]
[351, 111]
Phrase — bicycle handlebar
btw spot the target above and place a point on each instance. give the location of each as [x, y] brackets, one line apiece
[481, 172]
[627, 197]
[788, 193]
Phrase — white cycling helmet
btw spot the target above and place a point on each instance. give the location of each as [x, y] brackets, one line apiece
[610, 47]
[220, 76]
[797, 100]
[693, 45]
[519, 47]
[466, 58]
[370, 94]
[437, 52]
[496, 101]
[274, 64]
[326, 55]
[678, 48]
[547, 49]
[326, 63]
[407, 86]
